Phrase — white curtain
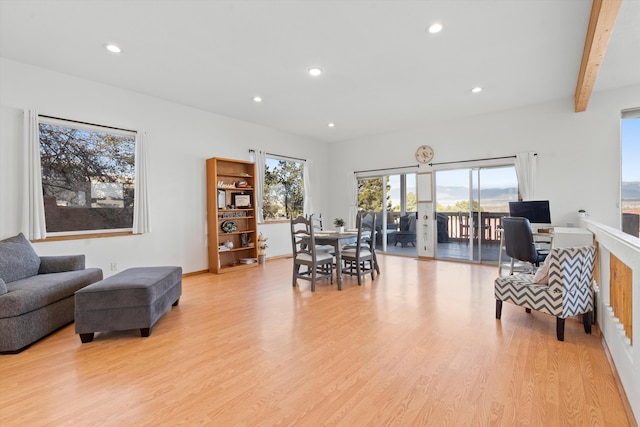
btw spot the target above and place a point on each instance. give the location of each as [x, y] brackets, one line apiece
[141, 222]
[260, 160]
[33, 220]
[308, 201]
[526, 171]
[352, 179]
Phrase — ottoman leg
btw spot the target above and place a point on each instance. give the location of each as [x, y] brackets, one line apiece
[145, 332]
[176, 303]
[86, 337]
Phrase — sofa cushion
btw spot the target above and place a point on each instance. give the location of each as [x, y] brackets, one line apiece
[3, 287]
[18, 260]
[39, 291]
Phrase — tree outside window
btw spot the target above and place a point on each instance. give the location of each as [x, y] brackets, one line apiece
[283, 189]
[88, 177]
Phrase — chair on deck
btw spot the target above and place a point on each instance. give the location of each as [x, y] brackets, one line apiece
[407, 230]
[317, 264]
[519, 244]
[360, 259]
[566, 292]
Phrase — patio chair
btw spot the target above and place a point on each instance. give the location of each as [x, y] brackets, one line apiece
[407, 231]
[566, 292]
[318, 265]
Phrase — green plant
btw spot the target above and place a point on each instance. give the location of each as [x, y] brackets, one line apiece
[338, 222]
[582, 211]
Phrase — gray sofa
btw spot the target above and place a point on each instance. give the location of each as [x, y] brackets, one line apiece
[37, 293]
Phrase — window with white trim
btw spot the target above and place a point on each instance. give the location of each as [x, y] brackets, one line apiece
[630, 173]
[283, 194]
[88, 176]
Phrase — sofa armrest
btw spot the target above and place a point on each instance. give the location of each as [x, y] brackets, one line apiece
[58, 264]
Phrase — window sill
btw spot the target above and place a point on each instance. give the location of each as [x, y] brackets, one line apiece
[83, 236]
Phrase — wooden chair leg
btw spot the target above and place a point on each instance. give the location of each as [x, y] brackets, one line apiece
[560, 328]
[586, 321]
[498, 309]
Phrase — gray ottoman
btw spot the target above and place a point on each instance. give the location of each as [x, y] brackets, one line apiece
[132, 299]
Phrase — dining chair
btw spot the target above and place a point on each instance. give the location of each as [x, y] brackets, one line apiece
[317, 224]
[360, 258]
[317, 265]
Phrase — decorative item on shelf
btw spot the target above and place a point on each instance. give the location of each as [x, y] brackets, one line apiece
[229, 244]
[262, 248]
[242, 201]
[221, 184]
[242, 184]
[244, 237]
[233, 214]
[229, 226]
[582, 213]
[339, 223]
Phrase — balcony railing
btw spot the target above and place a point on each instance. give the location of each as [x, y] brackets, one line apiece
[458, 225]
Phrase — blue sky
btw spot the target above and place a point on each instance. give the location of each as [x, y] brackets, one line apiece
[631, 150]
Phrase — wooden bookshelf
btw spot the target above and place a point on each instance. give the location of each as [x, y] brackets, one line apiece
[231, 215]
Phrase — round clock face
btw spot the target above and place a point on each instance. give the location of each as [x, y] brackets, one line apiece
[424, 154]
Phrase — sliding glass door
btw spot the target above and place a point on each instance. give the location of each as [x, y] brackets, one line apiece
[470, 205]
[393, 199]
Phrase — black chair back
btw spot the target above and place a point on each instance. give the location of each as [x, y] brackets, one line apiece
[518, 240]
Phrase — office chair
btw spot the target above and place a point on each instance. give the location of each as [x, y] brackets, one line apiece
[519, 243]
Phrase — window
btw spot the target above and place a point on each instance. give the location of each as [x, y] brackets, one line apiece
[88, 176]
[630, 185]
[283, 194]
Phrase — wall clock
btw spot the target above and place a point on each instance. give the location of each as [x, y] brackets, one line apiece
[424, 154]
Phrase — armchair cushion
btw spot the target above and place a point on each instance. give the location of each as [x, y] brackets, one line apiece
[18, 260]
[542, 274]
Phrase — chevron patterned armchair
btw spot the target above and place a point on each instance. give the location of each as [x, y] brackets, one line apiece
[569, 291]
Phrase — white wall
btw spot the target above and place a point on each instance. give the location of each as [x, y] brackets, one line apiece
[578, 153]
[179, 140]
[578, 159]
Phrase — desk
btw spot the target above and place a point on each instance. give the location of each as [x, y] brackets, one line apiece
[560, 237]
[567, 237]
[337, 240]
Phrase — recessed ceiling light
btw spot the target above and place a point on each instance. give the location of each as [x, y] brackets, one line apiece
[257, 99]
[331, 125]
[435, 28]
[476, 89]
[315, 71]
[113, 48]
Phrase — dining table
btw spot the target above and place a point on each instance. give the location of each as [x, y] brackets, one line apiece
[338, 240]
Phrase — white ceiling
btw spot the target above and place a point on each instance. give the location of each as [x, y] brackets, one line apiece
[383, 70]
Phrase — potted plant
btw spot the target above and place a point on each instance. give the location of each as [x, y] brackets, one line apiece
[582, 213]
[339, 223]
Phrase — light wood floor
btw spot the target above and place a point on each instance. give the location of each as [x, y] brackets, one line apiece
[420, 345]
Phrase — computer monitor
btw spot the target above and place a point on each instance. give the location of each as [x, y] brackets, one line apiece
[536, 211]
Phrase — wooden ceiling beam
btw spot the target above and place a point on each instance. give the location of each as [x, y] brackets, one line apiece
[603, 17]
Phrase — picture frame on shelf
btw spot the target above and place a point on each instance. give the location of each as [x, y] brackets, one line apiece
[242, 201]
[222, 199]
